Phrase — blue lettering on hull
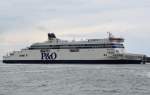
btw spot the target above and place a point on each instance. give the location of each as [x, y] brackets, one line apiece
[48, 56]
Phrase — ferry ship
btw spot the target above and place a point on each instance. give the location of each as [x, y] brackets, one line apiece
[109, 50]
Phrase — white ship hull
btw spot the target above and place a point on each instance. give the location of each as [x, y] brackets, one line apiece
[84, 56]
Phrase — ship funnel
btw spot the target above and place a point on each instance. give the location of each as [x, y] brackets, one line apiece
[51, 36]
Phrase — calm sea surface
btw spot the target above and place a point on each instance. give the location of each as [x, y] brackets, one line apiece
[54, 79]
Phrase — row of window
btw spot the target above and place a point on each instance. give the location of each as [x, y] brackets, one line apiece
[116, 55]
[77, 46]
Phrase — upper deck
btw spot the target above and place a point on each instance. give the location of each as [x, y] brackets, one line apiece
[55, 43]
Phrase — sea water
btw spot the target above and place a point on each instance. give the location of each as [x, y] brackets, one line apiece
[71, 79]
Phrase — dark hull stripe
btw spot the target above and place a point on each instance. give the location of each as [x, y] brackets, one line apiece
[72, 61]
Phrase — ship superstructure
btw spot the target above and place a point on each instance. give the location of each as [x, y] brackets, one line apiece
[109, 50]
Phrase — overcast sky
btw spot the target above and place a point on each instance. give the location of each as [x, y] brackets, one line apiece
[23, 22]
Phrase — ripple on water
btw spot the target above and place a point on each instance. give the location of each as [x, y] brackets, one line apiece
[74, 79]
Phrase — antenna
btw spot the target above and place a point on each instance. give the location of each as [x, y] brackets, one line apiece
[110, 34]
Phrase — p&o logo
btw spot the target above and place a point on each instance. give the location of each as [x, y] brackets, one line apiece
[48, 56]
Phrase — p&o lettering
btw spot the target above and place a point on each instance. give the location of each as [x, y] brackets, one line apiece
[48, 56]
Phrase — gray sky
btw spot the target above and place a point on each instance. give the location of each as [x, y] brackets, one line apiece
[23, 22]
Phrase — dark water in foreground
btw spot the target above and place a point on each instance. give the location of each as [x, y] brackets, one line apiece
[56, 79]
